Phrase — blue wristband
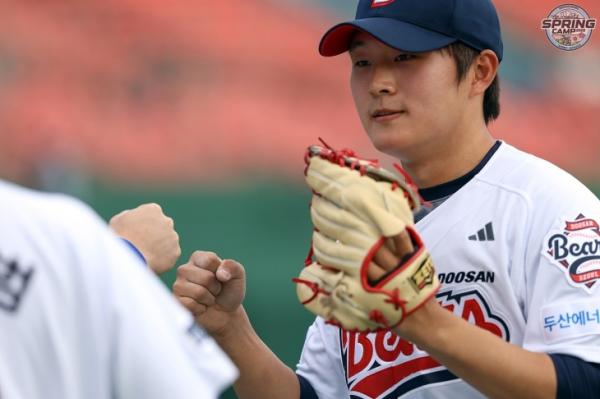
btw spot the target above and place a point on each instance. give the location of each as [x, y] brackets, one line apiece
[135, 250]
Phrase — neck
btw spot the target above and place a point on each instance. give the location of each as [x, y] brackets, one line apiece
[448, 162]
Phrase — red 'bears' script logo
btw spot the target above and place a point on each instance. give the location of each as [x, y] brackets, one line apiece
[382, 365]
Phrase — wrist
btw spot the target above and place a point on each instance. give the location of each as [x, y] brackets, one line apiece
[422, 323]
[237, 326]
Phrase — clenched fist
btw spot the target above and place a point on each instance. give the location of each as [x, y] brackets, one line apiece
[212, 289]
[152, 233]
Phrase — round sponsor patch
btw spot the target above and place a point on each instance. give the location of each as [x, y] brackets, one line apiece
[575, 249]
[569, 27]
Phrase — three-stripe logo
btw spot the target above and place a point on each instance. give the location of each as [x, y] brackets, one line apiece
[485, 234]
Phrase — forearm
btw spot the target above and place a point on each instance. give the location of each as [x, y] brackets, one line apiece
[262, 374]
[494, 367]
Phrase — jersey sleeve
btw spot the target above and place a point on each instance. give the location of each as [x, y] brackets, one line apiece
[84, 318]
[321, 362]
[562, 277]
[157, 349]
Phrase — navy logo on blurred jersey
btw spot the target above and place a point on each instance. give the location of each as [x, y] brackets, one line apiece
[568, 27]
[196, 333]
[383, 365]
[575, 249]
[381, 3]
[14, 281]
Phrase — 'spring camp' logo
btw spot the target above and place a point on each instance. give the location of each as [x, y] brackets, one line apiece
[568, 27]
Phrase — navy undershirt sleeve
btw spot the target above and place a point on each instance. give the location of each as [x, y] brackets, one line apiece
[576, 378]
[306, 390]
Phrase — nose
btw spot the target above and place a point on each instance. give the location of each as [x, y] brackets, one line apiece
[383, 81]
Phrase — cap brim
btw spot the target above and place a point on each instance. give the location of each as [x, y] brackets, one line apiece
[397, 34]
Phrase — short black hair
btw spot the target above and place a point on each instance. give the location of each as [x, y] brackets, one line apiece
[464, 56]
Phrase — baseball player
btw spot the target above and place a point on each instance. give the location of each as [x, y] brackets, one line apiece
[80, 317]
[515, 240]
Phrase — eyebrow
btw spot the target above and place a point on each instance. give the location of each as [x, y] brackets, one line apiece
[354, 44]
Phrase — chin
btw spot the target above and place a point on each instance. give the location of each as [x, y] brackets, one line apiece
[390, 144]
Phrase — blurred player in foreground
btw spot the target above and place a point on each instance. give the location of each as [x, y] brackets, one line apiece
[82, 317]
[514, 239]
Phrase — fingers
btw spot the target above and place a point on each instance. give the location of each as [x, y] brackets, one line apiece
[194, 307]
[198, 293]
[201, 277]
[386, 259]
[375, 272]
[205, 260]
[196, 288]
[232, 276]
[230, 270]
[403, 244]
[196, 298]
[151, 207]
[196, 279]
[152, 233]
[210, 282]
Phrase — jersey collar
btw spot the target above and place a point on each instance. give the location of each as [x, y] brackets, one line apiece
[445, 190]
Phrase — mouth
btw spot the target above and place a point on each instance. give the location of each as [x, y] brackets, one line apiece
[384, 114]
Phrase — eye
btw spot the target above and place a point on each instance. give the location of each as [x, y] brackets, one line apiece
[361, 63]
[404, 57]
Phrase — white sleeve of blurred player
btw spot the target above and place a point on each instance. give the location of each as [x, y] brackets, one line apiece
[80, 317]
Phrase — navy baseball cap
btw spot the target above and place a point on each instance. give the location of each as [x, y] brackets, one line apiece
[420, 25]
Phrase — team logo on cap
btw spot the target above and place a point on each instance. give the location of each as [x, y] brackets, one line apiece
[575, 249]
[568, 27]
[380, 3]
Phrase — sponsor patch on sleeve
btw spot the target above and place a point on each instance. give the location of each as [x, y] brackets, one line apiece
[574, 247]
[570, 320]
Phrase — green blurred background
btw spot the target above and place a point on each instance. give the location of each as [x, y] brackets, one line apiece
[206, 107]
[263, 224]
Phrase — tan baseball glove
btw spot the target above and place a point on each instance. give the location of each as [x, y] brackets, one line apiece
[357, 208]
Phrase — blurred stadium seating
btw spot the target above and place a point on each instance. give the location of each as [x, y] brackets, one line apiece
[140, 91]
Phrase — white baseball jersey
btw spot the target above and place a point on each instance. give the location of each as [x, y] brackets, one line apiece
[517, 249]
[81, 317]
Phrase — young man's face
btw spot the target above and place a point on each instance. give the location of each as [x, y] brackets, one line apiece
[407, 103]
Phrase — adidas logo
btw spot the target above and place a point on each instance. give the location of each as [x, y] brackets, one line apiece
[485, 234]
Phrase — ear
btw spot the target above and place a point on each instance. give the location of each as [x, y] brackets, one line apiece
[484, 70]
